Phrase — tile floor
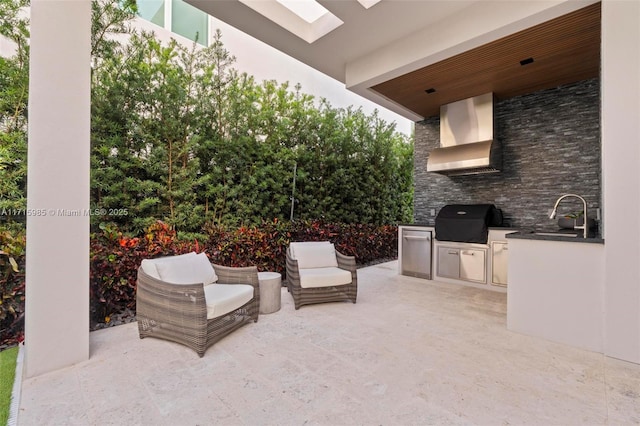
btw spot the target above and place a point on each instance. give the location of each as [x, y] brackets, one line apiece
[410, 352]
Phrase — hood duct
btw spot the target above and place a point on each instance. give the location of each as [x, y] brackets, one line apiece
[467, 146]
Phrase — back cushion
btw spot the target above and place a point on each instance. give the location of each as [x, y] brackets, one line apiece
[150, 268]
[188, 270]
[314, 254]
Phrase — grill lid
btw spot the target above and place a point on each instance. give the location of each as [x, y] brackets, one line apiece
[466, 223]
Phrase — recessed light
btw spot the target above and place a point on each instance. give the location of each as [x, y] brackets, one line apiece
[430, 90]
[526, 61]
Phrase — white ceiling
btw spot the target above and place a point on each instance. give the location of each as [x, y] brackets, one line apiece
[392, 37]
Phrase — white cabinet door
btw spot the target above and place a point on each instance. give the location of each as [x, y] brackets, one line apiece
[472, 265]
[500, 259]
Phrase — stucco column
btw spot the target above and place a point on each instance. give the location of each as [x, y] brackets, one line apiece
[57, 258]
[621, 176]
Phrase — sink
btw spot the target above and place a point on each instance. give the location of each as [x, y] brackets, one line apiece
[555, 234]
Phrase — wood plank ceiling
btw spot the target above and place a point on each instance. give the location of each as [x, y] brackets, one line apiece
[564, 50]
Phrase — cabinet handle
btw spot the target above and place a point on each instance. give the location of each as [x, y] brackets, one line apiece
[453, 252]
[411, 237]
[468, 253]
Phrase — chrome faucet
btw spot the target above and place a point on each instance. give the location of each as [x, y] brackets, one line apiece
[585, 225]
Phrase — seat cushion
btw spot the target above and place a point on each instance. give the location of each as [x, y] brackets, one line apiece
[224, 298]
[314, 254]
[187, 270]
[323, 277]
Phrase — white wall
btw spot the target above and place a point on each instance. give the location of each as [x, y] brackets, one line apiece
[57, 258]
[7, 47]
[621, 176]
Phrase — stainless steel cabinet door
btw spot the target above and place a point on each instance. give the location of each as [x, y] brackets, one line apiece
[448, 262]
[473, 265]
[416, 253]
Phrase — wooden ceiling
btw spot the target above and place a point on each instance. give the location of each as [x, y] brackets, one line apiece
[564, 50]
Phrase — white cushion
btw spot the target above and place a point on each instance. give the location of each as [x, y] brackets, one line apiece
[150, 268]
[323, 277]
[224, 298]
[294, 245]
[188, 270]
[314, 255]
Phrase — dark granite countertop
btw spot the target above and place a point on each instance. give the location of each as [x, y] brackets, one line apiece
[562, 235]
[530, 235]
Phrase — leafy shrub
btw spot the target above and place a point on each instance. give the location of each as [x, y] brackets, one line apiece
[263, 246]
[115, 258]
[12, 286]
[367, 243]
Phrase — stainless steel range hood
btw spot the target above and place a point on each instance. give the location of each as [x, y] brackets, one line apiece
[467, 146]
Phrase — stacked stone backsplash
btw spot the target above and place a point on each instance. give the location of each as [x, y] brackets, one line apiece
[551, 146]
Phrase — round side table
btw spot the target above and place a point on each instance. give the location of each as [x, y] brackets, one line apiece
[270, 291]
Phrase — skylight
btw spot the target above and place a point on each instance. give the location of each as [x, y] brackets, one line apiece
[307, 19]
[309, 10]
[368, 3]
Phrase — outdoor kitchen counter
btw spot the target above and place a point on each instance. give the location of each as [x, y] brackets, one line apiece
[555, 289]
[530, 235]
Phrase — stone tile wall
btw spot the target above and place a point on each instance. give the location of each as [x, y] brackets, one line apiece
[551, 146]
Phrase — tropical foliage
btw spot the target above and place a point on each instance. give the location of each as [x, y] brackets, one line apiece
[14, 85]
[12, 286]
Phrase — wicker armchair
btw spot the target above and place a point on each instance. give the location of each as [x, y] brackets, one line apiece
[317, 273]
[187, 310]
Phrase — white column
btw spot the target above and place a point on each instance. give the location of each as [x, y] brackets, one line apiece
[57, 258]
[621, 176]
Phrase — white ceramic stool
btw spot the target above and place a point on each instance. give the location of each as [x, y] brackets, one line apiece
[270, 291]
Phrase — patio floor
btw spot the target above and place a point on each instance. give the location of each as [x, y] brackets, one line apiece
[409, 352]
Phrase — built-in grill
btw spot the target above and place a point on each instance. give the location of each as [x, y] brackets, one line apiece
[466, 223]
